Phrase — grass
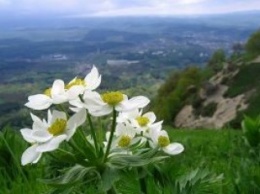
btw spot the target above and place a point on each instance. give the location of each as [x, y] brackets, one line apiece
[214, 161]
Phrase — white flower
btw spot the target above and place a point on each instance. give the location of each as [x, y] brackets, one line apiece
[47, 135]
[143, 122]
[54, 95]
[100, 105]
[60, 93]
[90, 82]
[124, 137]
[125, 134]
[160, 138]
[30, 155]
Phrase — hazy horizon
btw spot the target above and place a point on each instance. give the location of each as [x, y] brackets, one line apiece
[105, 8]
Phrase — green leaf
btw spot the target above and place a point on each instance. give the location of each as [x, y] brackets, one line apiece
[142, 158]
[108, 179]
[72, 176]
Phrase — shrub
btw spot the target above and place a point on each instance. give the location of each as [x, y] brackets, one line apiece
[216, 60]
[253, 44]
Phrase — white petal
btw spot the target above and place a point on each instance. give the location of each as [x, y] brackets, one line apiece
[74, 92]
[155, 132]
[173, 148]
[152, 144]
[58, 115]
[156, 126]
[30, 155]
[59, 99]
[51, 145]
[163, 133]
[70, 132]
[75, 109]
[125, 129]
[38, 124]
[133, 103]
[128, 115]
[93, 79]
[27, 135]
[151, 116]
[104, 110]
[58, 88]
[77, 104]
[41, 136]
[124, 106]
[77, 119]
[58, 92]
[93, 100]
[120, 129]
[39, 102]
[35, 118]
[139, 101]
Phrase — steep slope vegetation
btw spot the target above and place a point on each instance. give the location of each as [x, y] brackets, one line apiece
[216, 96]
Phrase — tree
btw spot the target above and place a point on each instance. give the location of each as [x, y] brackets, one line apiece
[238, 48]
[216, 60]
[253, 44]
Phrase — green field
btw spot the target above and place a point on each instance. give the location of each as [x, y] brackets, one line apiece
[214, 161]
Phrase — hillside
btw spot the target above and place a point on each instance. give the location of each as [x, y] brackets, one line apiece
[216, 96]
[224, 99]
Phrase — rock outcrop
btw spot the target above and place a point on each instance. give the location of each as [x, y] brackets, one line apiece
[214, 91]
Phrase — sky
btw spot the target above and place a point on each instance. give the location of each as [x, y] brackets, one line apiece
[80, 8]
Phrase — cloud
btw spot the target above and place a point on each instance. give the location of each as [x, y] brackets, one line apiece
[188, 2]
[126, 7]
[4, 3]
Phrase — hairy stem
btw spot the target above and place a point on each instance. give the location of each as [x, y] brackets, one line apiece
[113, 128]
[92, 131]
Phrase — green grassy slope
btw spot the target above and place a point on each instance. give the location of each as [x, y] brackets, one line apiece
[214, 162]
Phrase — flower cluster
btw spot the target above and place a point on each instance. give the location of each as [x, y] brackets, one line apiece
[130, 125]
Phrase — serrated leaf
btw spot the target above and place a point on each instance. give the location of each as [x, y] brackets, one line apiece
[71, 176]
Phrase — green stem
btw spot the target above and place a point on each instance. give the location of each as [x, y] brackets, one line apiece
[113, 128]
[93, 134]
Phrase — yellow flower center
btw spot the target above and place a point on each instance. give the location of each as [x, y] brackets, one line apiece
[58, 127]
[76, 82]
[124, 141]
[112, 98]
[142, 121]
[163, 141]
[47, 92]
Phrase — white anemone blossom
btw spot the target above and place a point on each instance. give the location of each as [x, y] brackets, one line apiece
[160, 138]
[54, 95]
[143, 122]
[46, 136]
[60, 93]
[100, 105]
[125, 134]
[89, 83]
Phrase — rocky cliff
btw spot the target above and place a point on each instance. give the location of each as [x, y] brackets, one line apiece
[230, 93]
